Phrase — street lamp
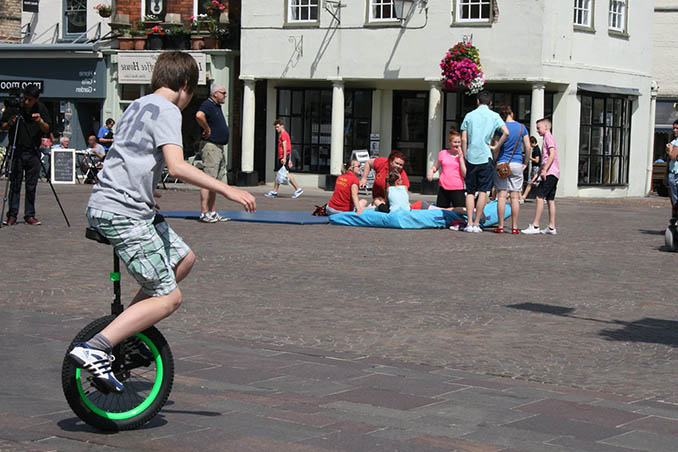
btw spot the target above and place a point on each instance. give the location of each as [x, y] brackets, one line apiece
[400, 8]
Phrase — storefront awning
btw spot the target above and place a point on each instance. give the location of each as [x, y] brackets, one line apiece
[57, 78]
[606, 89]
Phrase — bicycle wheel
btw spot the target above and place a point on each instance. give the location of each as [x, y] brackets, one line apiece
[148, 381]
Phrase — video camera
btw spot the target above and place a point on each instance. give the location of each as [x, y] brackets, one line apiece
[13, 103]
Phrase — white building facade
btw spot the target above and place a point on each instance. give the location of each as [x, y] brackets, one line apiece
[364, 74]
[665, 72]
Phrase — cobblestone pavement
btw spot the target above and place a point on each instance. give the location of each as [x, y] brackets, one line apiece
[318, 337]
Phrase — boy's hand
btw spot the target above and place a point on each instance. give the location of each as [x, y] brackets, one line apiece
[242, 197]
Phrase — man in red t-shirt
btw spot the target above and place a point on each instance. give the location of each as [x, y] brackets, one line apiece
[345, 196]
[284, 158]
[382, 167]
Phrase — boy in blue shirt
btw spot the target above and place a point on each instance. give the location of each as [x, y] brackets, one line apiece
[477, 130]
[122, 209]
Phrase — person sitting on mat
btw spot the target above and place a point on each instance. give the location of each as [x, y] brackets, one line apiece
[345, 197]
[398, 198]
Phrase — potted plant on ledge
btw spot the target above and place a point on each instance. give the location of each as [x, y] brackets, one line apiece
[178, 37]
[155, 38]
[216, 33]
[214, 8]
[104, 9]
[139, 36]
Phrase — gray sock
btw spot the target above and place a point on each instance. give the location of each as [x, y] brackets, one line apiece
[100, 342]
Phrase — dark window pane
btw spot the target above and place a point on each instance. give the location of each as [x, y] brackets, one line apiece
[297, 102]
[486, 11]
[284, 102]
[596, 175]
[584, 140]
[598, 110]
[597, 140]
[586, 109]
[583, 170]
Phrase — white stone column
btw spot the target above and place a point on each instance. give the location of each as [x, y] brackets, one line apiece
[248, 103]
[537, 107]
[337, 146]
[654, 90]
[435, 122]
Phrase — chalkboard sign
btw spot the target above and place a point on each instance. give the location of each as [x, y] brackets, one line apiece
[63, 166]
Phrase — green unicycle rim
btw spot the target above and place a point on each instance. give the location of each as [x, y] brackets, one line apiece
[159, 372]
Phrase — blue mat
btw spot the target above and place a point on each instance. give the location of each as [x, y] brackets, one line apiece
[413, 219]
[260, 216]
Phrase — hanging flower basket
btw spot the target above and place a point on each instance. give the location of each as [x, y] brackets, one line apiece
[214, 8]
[104, 9]
[461, 69]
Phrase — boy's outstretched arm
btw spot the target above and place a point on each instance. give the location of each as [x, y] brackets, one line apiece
[180, 169]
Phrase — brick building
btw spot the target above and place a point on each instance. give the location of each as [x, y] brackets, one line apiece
[10, 17]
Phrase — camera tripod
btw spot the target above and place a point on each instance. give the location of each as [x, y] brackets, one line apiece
[7, 168]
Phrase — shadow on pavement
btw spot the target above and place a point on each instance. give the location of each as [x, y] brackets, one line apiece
[655, 331]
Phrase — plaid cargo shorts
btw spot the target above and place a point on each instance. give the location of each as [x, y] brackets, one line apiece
[150, 252]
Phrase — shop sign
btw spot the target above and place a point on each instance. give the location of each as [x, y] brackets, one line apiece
[137, 68]
[60, 77]
[30, 6]
[7, 85]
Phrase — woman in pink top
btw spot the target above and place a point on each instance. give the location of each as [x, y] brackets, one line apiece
[452, 172]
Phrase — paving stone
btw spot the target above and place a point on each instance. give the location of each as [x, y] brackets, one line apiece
[586, 446]
[608, 417]
[302, 386]
[426, 387]
[362, 443]
[456, 444]
[565, 427]
[522, 440]
[654, 424]
[644, 441]
[383, 398]
[323, 371]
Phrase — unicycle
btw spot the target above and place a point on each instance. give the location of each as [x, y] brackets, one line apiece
[143, 364]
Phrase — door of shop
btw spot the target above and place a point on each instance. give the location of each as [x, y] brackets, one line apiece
[410, 129]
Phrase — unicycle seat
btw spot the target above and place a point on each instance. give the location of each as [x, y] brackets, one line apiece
[95, 235]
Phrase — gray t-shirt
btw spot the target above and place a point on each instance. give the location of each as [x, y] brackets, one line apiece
[134, 163]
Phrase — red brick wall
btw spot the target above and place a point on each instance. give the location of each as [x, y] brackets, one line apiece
[183, 7]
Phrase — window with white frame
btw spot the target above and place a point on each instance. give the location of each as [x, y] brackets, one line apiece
[583, 13]
[473, 10]
[383, 11]
[617, 15]
[75, 17]
[302, 11]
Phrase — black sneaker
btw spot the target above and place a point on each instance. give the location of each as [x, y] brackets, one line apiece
[138, 352]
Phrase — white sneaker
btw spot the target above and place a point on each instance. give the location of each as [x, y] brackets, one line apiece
[469, 228]
[271, 194]
[98, 363]
[205, 217]
[531, 229]
[549, 230]
[217, 217]
[477, 229]
[297, 193]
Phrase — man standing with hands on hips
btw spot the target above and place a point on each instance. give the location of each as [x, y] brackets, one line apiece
[215, 135]
[33, 124]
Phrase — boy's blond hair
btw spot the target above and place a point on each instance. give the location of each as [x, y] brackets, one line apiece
[547, 121]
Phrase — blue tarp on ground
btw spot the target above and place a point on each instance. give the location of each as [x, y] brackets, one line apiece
[260, 216]
[414, 219]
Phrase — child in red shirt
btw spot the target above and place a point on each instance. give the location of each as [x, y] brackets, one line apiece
[345, 196]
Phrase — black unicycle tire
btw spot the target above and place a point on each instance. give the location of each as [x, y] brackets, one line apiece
[134, 407]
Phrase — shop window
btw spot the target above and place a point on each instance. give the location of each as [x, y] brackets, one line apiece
[75, 18]
[382, 11]
[583, 13]
[307, 114]
[357, 121]
[617, 16]
[473, 11]
[302, 11]
[604, 135]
